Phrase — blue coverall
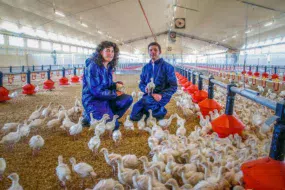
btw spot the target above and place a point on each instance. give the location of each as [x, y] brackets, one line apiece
[99, 93]
[165, 85]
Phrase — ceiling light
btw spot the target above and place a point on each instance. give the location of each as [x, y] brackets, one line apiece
[248, 31]
[234, 36]
[99, 32]
[59, 13]
[224, 40]
[85, 25]
[268, 24]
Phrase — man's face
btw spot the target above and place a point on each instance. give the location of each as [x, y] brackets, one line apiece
[154, 52]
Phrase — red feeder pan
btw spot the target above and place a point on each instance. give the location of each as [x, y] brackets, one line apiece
[182, 81]
[275, 76]
[49, 85]
[249, 73]
[191, 89]
[256, 74]
[265, 75]
[186, 85]
[199, 96]
[75, 79]
[263, 174]
[63, 81]
[28, 89]
[208, 105]
[243, 72]
[4, 94]
[226, 125]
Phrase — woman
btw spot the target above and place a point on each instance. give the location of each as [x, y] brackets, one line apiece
[99, 94]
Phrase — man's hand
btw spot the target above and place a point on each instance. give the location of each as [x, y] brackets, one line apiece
[157, 97]
[119, 93]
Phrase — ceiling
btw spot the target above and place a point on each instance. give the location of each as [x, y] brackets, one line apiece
[123, 20]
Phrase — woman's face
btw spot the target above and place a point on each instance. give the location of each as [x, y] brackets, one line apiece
[108, 54]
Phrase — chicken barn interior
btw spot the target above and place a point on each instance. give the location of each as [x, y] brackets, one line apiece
[225, 124]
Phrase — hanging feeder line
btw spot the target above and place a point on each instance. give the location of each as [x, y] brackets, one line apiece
[42, 73]
[276, 82]
[265, 172]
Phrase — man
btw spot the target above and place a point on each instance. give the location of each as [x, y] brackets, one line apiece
[165, 82]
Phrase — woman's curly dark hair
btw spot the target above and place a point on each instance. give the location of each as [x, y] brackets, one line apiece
[106, 44]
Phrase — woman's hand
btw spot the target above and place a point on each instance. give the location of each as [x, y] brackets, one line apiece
[119, 93]
[157, 97]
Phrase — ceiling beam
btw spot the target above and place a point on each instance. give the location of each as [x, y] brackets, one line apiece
[184, 35]
[144, 37]
[206, 40]
[260, 6]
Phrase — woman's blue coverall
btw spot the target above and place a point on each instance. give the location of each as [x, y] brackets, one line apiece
[99, 93]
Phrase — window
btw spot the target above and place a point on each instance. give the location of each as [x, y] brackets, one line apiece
[28, 31]
[52, 36]
[62, 38]
[90, 51]
[85, 51]
[46, 45]
[265, 50]
[65, 48]
[57, 47]
[80, 50]
[16, 41]
[42, 34]
[73, 49]
[32, 43]
[277, 48]
[2, 39]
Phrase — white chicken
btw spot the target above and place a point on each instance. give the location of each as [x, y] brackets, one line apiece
[63, 172]
[36, 114]
[36, 143]
[117, 136]
[128, 124]
[15, 182]
[164, 123]
[141, 122]
[76, 129]
[181, 131]
[66, 124]
[101, 127]
[47, 111]
[82, 169]
[150, 86]
[94, 144]
[52, 124]
[110, 126]
[95, 122]
[8, 127]
[106, 184]
[11, 138]
[2, 167]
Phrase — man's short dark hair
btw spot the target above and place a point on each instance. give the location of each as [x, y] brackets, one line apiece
[154, 44]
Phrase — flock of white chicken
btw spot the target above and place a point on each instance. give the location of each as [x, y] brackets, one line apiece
[195, 160]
